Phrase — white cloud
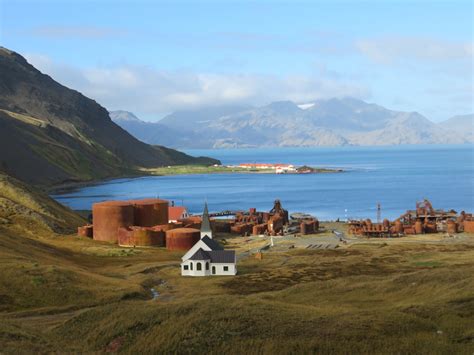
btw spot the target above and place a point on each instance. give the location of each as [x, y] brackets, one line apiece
[85, 32]
[153, 93]
[388, 50]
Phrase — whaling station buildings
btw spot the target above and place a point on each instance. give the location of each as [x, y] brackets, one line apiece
[152, 223]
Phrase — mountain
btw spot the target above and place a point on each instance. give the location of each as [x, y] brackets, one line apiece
[332, 122]
[462, 125]
[181, 129]
[50, 134]
[150, 132]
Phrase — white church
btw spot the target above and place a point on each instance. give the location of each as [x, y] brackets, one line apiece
[207, 257]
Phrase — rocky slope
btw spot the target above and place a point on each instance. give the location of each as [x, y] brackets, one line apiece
[50, 134]
[332, 122]
[22, 206]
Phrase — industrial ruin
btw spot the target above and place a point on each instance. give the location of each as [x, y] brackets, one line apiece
[141, 223]
[424, 219]
[272, 223]
[146, 223]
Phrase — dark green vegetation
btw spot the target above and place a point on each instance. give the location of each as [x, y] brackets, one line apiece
[50, 134]
[67, 294]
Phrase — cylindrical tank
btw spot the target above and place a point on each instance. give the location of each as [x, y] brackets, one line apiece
[141, 237]
[85, 231]
[398, 226]
[303, 228]
[222, 226]
[108, 217]
[468, 226]
[418, 227]
[191, 222]
[451, 227]
[150, 212]
[182, 238]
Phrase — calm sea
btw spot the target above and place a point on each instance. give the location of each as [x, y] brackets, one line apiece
[395, 177]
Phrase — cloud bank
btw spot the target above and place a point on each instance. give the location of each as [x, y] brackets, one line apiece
[154, 93]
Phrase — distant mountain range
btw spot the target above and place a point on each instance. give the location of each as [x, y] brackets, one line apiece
[332, 122]
[50, 134]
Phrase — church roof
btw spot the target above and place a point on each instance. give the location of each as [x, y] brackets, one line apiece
[206, 223]
[211, 243]
[222, 256]
[200, 255]
[215, 256]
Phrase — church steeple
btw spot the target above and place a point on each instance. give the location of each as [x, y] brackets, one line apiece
[206, 223]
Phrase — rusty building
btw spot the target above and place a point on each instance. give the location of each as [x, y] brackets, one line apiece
[423, 219]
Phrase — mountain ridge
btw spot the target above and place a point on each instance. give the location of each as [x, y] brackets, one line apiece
[330, 122]
[50, 134]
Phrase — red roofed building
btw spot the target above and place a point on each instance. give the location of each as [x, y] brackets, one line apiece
[177, 212]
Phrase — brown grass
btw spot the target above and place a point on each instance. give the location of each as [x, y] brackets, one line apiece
[70, 294]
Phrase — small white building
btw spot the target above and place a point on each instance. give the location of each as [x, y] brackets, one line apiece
[207, 257]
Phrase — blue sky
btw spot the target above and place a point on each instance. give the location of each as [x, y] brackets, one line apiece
[153, 57]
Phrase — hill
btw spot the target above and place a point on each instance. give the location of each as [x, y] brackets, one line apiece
[463, 125]
[51, 134]
[332, 122]
[28, 210]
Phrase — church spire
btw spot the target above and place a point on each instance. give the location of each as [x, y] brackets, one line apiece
[206, 223]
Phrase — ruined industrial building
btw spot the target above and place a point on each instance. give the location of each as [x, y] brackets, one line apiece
[153, 223]
[148, 223]
[422, 220]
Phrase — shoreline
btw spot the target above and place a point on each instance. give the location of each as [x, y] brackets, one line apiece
[65, 187]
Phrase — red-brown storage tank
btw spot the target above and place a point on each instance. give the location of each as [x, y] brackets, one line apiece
[418, 227]
[451, 227]
[468, 226]
[150, 212]
[85, 231]
[303, 228]
[259, 229]
[141, 237]
[316, 225]
[182, 238]
[108, 217]
[398, 227]
[221, 226]
[191, 222]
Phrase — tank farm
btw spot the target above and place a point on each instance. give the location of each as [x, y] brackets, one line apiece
[145, 223]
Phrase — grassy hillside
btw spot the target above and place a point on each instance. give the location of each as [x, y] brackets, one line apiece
[51, 134]
[70, 294]
[24, 210]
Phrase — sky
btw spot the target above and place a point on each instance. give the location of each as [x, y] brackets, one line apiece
[156, 57]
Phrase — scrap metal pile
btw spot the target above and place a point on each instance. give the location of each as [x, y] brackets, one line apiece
[424, 219]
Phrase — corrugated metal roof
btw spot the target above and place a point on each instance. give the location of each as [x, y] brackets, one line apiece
[216, 256]
[222, 256]
[200, 255]
[211, 243]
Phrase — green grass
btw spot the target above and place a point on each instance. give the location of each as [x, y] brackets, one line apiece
[203, 169]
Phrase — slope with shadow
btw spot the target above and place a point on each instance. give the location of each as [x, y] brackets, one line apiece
[51, 134]
[27, 209]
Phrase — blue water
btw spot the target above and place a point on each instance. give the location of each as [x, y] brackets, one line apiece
[395, 177]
